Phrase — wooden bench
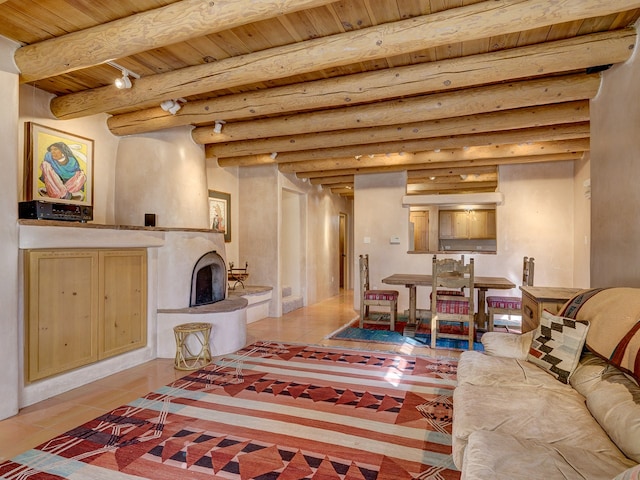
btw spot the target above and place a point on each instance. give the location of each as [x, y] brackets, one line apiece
[237, 275]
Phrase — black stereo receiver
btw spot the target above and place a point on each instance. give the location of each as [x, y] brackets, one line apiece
[55, 211]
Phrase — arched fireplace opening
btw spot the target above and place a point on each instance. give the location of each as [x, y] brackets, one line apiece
[209, 280]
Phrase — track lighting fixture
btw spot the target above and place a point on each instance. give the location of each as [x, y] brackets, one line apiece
[172, 106]
[218, 126]
[124, 81]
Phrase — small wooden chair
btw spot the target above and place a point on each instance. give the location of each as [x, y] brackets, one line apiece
[504, 305]
[237, 275]
[447, 305]
[375, 298]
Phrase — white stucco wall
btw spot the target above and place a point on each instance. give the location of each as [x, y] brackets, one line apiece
[9, 132]
[34, 107]
[615, 167]
[535, 220]
[163, 173]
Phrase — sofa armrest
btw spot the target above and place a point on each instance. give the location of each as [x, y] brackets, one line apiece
[509, 345]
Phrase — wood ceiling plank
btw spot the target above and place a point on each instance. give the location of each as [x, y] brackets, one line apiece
[435, 158]
[544, 115]
[334, 147]
[575, 54]
[474, 21]
[336, 170]
[423, 108]
[143, 31]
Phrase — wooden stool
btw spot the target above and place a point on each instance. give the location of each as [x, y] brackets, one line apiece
[186, 357]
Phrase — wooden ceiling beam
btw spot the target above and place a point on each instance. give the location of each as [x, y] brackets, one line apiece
[414, 176]
[557, 157]
[562, 113]
[448, 186]
[559, 56]
[435, 158]
[527, 135]
[340, 179]
[177, 22]
[479, 20]
[476, 100]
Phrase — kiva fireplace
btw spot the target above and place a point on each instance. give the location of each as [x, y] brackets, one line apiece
[209, 280]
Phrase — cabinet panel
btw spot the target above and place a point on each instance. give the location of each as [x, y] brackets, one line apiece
[460, 225]
[123, 301]
[82, 306]
[446, 224]
[62, 304]
[420, 220]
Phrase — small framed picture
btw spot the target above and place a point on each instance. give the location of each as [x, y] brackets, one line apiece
[220, 213]
[58, 166]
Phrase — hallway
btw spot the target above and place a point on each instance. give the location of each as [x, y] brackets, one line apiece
[309, 325]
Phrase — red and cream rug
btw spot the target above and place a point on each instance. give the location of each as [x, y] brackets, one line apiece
[270, 411]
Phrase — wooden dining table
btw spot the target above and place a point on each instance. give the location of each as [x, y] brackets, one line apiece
[414, 280]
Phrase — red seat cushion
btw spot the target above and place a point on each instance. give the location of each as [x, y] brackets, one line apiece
[452, 306]
[381, 295]
[512, 303]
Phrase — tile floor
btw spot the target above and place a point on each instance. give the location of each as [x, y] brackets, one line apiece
[39, 422]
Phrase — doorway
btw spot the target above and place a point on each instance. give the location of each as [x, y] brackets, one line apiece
[343, 260]
[292, 251]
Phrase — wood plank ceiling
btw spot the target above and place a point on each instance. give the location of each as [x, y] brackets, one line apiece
[445, 89]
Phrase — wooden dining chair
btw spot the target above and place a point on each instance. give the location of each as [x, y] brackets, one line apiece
[376, 298]
[447, 305]
[505, 305]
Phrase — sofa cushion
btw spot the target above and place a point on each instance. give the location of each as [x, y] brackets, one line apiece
[557, 345]
[588, 373]
[499, 456]
[476, 368]
[507, 344]
[545, 415]
[615, 403]
[614, 318]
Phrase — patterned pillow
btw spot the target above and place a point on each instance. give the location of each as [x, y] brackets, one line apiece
[631, 474]
[557, 345]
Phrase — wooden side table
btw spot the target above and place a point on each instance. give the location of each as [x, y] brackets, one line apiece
[192, 345]
[537, 299]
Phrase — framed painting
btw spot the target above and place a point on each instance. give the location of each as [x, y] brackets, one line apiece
[220, 213]
[58, 166]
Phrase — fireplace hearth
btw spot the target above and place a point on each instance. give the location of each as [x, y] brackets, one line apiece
[209, 280]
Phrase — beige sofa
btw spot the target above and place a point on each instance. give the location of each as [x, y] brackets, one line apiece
[516, 418]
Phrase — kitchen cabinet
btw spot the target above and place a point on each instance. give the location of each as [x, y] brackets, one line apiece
[81, 306]
[463, 224]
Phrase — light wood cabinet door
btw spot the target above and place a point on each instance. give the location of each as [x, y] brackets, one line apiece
[82, 306]
[61, 331]
[446, 224]
[460, 225]
[420, 220]
[482, 224]
[123, 301]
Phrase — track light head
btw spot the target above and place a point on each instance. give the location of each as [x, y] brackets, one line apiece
[124, 81]
[172, 106]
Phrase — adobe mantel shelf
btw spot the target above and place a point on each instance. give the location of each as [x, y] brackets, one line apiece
[57, 235]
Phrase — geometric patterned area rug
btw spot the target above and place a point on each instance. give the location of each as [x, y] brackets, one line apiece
[373, 333]
[270, 411]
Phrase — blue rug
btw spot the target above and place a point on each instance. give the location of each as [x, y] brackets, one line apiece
[387, 336]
